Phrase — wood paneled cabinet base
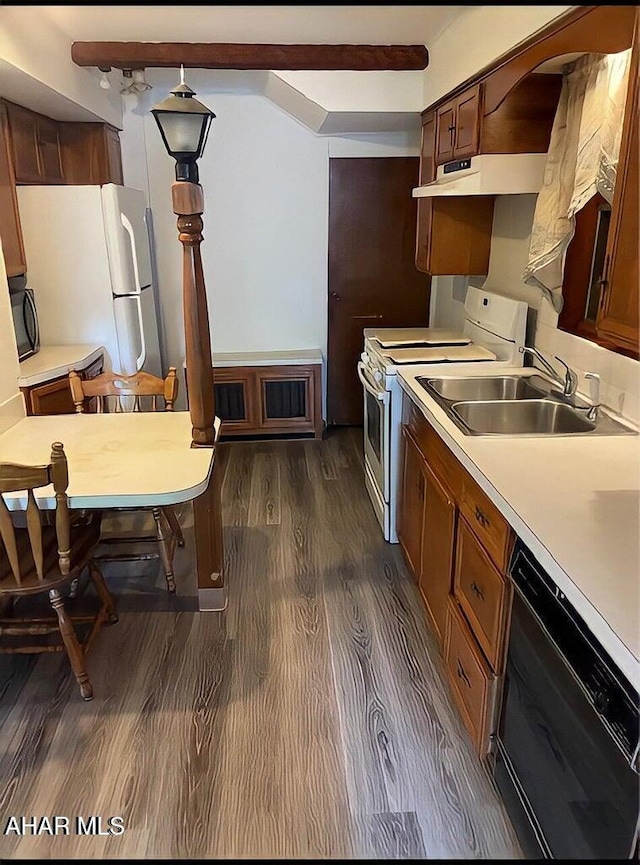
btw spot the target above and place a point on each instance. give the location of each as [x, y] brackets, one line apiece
[457, 544]
[269, 400]
[54, 396]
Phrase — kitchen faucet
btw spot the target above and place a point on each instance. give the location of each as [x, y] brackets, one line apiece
[568, 382]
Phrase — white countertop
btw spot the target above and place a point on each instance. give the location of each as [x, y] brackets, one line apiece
[53, 361]
[575, 503]
[115, 460]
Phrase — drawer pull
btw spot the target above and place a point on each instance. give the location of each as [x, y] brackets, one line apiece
[484, 522]
[463, 675]
[478, 591]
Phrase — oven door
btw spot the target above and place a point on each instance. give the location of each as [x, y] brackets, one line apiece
[376, 433]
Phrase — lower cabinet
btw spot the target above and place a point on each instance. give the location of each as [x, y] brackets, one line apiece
[265, 400]
[472, 680]
[439, 536]
[412, 501]
[457, 545]
[54, 396]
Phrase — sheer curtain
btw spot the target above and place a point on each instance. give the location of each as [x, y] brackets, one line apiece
[582, 160]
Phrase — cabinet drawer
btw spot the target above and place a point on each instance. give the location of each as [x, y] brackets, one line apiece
[472, 681]
[483, 594]
[486, 522]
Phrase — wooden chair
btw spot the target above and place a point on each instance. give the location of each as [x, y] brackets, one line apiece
[111, 392]
[47, 558]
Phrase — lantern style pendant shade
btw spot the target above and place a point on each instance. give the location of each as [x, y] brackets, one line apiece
[184, 125]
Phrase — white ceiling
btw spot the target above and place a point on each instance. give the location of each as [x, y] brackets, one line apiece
[382, 25]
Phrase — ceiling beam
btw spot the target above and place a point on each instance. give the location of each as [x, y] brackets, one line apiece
[240, 55]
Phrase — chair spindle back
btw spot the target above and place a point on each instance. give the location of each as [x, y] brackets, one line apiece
[113, 392]
[20, 478]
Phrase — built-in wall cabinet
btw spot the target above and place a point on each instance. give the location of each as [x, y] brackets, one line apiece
[510, 108]
[35, 149]
[263, 400]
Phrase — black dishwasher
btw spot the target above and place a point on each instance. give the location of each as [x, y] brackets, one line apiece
[566, 762]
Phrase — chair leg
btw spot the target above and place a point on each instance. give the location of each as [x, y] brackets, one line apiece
[164, 542]
[73, 647]
[174, 524]
[103, 593]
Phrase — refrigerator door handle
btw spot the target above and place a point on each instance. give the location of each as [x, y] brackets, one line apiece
[132, 241]
[143, 347]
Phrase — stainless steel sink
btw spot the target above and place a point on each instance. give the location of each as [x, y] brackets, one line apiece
[504, 387]
[525, 417]
[516, 405]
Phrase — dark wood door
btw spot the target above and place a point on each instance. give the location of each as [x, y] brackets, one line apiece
[373, 281]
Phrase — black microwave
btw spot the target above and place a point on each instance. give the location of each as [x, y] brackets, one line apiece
[25, 317]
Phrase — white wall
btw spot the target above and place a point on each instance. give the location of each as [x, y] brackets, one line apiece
[11, 402]
[476, 39]
[36, 70]
[513, 218]
[265, 178]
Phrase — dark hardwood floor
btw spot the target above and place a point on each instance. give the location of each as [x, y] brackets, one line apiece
[311, 719]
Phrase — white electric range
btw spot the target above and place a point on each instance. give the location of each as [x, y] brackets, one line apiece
[493, 333]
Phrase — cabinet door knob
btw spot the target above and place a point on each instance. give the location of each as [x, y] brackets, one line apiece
[462, 675]
[484, 522]
[477, 590]
[335, 296]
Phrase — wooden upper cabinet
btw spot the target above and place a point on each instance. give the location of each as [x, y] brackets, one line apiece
[428, 149]
[24, 144]
[90, 153]
[458, 127]
[35, 146]
[445, 133]
[467, 122]
[10, 231]
[453, 235]
[618, 313]
[47, 151]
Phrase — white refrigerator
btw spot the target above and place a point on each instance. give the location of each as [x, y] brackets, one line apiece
[89, 265]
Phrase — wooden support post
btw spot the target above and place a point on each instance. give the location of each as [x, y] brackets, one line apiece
[207, 521]
[188, 204]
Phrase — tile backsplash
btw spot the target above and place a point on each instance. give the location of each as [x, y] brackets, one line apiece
[619, 375]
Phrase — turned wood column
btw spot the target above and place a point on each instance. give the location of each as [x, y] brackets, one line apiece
[188, 204]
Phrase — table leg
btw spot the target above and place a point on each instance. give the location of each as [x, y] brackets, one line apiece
[207, 521]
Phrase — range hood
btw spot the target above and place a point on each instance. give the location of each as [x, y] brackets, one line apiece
[487, 174]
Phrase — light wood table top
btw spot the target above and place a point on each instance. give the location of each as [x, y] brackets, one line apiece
[115, 460]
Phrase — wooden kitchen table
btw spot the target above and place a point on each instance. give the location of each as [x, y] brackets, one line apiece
[130, 459]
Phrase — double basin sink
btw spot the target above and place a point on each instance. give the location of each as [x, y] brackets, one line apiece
[516, 405]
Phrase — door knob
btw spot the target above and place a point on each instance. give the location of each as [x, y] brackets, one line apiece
[335, 296]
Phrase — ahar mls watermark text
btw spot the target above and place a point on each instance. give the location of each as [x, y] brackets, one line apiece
[58, 825]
